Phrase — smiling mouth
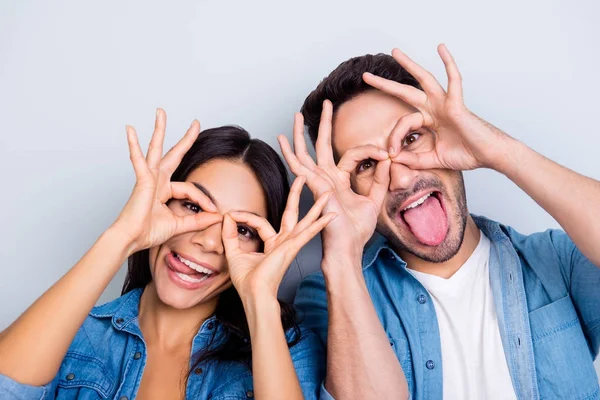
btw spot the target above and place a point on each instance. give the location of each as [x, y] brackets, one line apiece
[188, 271]
[426, 219]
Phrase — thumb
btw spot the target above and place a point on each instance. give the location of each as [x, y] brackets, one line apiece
[229, 236]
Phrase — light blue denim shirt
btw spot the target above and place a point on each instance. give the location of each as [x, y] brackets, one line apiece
[547, 298]
[107, 357]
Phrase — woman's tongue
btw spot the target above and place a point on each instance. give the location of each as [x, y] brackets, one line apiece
[428, 222]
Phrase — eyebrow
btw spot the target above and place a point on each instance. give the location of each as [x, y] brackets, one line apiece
[210, 196]
[205, 191]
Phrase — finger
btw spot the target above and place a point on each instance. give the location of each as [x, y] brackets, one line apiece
[300, 240]
[173, 158]
[454, 76]
[292, 208]
[300, 148]
[424, 77]
[407, 93]
[156, 143]
[229, 235]
[295, 165]
[314, 212]
[323, 145]
[355, 155]
[425, 160]
[196, 222]
[262, 226]
[135, 153]
[407, 124]
[187, 190]
[381, 183]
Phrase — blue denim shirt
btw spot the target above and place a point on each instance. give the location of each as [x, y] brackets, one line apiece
[107, 357]
[547, 298]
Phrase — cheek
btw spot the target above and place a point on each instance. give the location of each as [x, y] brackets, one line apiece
[250, 246]
[362, 185]
[153, 253]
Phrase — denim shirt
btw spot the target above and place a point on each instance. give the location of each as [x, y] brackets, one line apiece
[107, 357]
[547, 299]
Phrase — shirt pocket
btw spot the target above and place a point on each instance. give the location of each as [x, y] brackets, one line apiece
[402, 350]
[239, 388]
[83, 377]
[563, 362]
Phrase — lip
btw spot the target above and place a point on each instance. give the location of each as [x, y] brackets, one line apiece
[173, 270]
[204, 265]
[415, 197]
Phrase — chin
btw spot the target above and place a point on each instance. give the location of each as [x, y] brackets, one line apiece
[181, 299]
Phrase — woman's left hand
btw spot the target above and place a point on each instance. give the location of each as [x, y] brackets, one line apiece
[261, 273]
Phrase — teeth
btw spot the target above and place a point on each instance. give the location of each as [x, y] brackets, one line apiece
[195, 266]
[418, 202]
[188, 278]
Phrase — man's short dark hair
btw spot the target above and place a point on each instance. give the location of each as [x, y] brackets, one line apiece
[346, 82]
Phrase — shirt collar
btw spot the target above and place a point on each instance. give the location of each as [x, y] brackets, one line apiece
[122, 310]
[378, 244]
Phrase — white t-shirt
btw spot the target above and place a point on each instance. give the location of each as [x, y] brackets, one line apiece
[473, 360]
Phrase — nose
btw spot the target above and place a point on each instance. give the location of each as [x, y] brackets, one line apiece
[210, 239]
[402, 178]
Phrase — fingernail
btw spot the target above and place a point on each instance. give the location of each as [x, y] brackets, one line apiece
[192, 124]
[392, 151]
[383, 152]
[368, 74]
[157, 112]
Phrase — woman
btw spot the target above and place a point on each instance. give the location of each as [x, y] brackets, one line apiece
[199, 317]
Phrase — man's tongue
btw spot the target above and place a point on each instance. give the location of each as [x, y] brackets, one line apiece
[428, 222]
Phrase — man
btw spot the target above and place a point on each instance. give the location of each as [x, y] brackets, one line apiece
[443, 304]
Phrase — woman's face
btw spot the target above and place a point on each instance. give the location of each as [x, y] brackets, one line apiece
[190, 268]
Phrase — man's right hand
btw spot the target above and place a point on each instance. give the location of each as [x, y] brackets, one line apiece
[357, 215]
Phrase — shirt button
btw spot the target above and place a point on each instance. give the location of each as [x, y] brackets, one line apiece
[198, 371]
[422, 299]
[137, 355]
[430, 364]
[250, 394]
[123, 398]
[120, 321]
[210, 326]
[70, 377]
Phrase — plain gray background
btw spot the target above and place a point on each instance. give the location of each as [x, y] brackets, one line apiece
[73, 73]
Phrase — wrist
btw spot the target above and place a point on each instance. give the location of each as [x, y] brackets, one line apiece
[342, 268]
[509, 154]
[120, 240]
[260, 304]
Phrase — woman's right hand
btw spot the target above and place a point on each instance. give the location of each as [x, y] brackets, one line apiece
[146, 221]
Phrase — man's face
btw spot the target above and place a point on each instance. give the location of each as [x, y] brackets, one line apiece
[424, 212]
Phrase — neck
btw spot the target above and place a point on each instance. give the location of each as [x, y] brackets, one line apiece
[448, 268]
[169, 328]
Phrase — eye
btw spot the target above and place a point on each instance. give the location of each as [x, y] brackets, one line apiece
[411, 138]
[246, 232]
[193, 207]
[365, 165]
